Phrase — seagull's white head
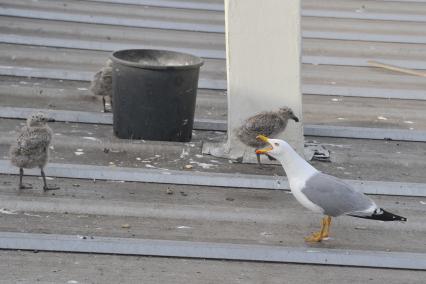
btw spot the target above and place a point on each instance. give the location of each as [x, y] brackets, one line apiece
[275, 148]
[296, 168]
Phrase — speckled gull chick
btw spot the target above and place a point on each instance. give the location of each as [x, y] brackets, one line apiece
[101, 84]
[32, 147]
[322, 193]
[268, 123]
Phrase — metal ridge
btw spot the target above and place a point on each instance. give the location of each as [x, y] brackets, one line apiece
[221, 125]
[204, 178]
[210, 250]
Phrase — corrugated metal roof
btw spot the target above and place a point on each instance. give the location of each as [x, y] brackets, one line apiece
[49, 51]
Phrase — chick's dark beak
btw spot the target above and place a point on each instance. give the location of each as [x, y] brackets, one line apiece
[295, 118]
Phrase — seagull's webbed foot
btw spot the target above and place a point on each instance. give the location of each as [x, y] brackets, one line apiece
[322, 233]
[21, 184]
[25, 186]
[46, 187]
[49, 187]
[107, 110]
[314, 238]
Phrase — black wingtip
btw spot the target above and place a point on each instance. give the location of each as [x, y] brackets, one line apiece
[383, 215]
[392, 217]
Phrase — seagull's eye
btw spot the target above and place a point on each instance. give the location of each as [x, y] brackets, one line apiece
[276, 144]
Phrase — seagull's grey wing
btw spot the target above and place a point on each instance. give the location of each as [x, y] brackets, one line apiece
[334, 196]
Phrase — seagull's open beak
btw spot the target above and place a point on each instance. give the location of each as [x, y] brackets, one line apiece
[266, 149]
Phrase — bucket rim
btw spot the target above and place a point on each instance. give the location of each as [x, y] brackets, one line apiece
[114, 58]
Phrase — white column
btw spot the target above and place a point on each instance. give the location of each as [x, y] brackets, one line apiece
[263, 68]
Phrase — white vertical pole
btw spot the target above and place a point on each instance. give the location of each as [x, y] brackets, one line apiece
[263, 68]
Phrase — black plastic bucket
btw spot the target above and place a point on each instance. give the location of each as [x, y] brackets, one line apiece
[154, 94]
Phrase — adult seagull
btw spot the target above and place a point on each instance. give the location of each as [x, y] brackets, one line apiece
[322, 193]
